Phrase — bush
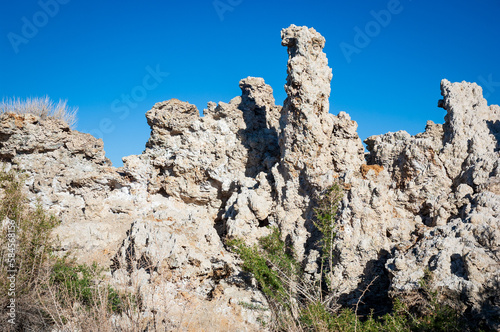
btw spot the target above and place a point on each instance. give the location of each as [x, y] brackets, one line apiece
[25, 250]
[274, 268]
[42, 107]
[77, 283]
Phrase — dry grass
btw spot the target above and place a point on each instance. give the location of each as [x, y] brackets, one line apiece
[42, 107]
[69, 314]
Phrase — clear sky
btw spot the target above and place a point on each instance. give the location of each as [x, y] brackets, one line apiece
[115, 59]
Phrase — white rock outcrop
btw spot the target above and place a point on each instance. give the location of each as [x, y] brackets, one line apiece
[315, 146]
[429, 202]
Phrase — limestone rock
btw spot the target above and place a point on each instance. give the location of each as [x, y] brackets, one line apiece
[160, 214]
[314, 144]
[429, 202]
[431, 207]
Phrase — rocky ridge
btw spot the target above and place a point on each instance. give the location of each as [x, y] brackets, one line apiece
[429, 202]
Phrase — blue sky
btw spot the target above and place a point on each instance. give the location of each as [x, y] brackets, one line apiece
[115, 59]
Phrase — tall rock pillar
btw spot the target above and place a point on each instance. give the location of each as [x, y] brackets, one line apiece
[306, 166]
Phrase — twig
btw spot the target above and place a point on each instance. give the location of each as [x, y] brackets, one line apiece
[359, 300]
[291, 284]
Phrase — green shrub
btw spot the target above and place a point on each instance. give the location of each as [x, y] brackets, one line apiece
[74, 280]
[325, 222]
[79, 283]
[270, 264]
[26, 241]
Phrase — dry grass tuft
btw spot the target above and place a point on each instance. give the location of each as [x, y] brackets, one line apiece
[42, 107]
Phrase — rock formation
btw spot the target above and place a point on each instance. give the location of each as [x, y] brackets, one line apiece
[433, 205]
[310, 137]
[429, 202]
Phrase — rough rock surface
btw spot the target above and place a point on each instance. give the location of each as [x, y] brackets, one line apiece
[70, 176]
[433, 205]
[157, 219]
[314, 145]
[429, 202]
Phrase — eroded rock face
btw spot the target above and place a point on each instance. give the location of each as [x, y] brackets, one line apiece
[69, 175]
[463, 250]
[429, 202]
[213, 161]
[434, 207]
[311, 139]
[155, 221]
[213, 170]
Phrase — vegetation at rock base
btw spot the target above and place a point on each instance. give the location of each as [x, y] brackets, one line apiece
[54, 292]
[301, 304]
[39, 290]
